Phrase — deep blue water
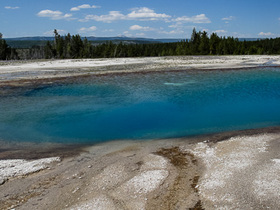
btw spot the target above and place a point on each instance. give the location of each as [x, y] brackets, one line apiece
[144, 106]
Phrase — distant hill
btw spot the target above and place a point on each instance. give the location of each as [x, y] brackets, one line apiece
[93, 38]
[28, 42]
[33, 38]
[249, 39]
[123, 38]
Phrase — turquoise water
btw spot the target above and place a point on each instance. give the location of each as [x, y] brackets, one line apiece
[143, 106]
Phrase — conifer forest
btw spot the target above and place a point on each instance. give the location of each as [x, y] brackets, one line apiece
[201, 43]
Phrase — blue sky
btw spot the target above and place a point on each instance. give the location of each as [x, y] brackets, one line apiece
[140, 18]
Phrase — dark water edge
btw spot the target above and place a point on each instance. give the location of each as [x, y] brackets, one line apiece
[32, 150]
[18, 87]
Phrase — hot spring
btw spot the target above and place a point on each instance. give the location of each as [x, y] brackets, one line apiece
[143, 106]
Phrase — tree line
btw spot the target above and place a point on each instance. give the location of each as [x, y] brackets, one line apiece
[6, 52]
[200, 43]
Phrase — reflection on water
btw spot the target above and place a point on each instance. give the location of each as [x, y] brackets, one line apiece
[143, 106]
[180, 84]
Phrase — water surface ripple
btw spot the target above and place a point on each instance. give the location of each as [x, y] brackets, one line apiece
[143, 106]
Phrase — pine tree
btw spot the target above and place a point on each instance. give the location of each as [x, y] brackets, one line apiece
[204, 48]
[76, 47]
[48, 50]
[4, 49]
[195, 42]
[214, 44]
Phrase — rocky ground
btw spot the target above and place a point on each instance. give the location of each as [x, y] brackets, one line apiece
[239, 172]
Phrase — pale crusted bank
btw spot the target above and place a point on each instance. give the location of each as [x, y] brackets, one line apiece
[242, 172]
[26, 70]
[239, 172]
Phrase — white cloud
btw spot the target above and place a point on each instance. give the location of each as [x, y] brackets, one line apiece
[266, 34]
[85, 30]
[54, 15]
[159, 31]
[141, 14]
[228, 18]
[84, 6]
[126, 34]
[181, 26]
[141, 34]
[175, 26]
[109, 30]
[220, 32]
[9, 7]
[112, 16]
[178, 28]
[146, 14]
[178, 31]
[194, 19]
[140, 28]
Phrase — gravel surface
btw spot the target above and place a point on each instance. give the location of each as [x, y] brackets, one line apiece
[240, 172]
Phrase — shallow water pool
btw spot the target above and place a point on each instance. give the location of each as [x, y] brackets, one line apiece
[143, 106]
